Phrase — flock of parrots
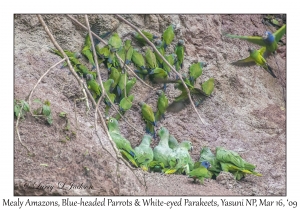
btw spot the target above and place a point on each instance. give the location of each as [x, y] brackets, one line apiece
[168, 156]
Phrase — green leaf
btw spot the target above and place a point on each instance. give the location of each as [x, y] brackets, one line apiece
[37, 111]
[49, 119]
[37, 101]
[63, 114]
[17, 110]
[46, 110]
[47, 103]
[25, 106]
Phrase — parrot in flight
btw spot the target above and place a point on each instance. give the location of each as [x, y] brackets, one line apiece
[114, 42]
[168, 35]
[162, 104]
[162, 151]
[144, 153]
[141, 40]
[268, 40]
[200, 171]
[122, 143]
[256, 57]
[179, 50]
[196, 71]
[148, 116]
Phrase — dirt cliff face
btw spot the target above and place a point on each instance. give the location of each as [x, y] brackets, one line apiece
[246, 112]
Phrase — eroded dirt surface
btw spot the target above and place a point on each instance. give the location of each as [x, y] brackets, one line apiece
[246, 112]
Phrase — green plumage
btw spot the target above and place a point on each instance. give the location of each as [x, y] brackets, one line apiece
[171, 59]
[125, 104]
[162, 151]
[141, 40]
[160, 47]
[150, 59]
[121, 143]
[168, 35]
[114, 42]
[144, 153]
[93, 86]
[256, 57]
[129, 86]
[129, 51]
[196, 71]
[138, 59]
[115, 75]
[148, 116]
[199, 172]
[87, 50]
[173, 143]
[208, 86]
[102, 52]
[179, 50]
[162, 104]
[122, 84]
[207, 155]
[157, 75]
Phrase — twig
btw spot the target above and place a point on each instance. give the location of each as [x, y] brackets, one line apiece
[162, 57]
[40, 79]
[17, 129]
[76, 21]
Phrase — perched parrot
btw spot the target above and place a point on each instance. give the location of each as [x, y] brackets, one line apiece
[232, 162]
[144, 153]
[208, 86]
[200, 171]
[73, 56]
[129, 51]
[93, 86]
[122, 53]
[157, 75]
[184, 162]
[148, 116]
[103, 52]
[122, 144]
[141, 40]
[83, 70]
[108, 88]
[168, 35]
[207, 155]
[162, 104]
[114, 42]
[173, 143]
[179, 50]
[171, 59]
[196, 71]
[269, 40]
[138, 59]
[87, 50]
[162, 151]
[160, 47]
[142, 73]
[150, 59]
[122, 84]
[115, 75]
[129, 86]
[124, 105]
[256, 57]
[156, 166]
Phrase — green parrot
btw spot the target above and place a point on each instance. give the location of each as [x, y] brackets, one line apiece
[256, 57]
[148, 116]
[141, 40]
[232, 162]
[102, 52]
[208, 86]
[162, 151]
[138, 59]
[200, 171]
[160, 47]
[83, 70]
[150, 59]
[168, 35]
[207, 155]
[162, 104]
[171, 59]
[179, 50]
[269, 40]
[73, 56]
[93, 86]
[115, 75]
[144, 153]
[122, 84]
[156, 166]
[157, 75]
[114, 42]
[122, 53]
[122, 144]
[108, 88]
[129, 86]
[184, 162]
[124, 105]
[87, 50]
[173, 143]
[129, 51]
[196, 71]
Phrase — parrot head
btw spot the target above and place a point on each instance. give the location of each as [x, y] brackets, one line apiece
[141, 103]
[187, 144]
[147, 139]
[205, 163]
[180, 42]
[203, 64]
[113, 124]
[173, 26]
[158, 42]
[89, 77]
[159, 92]
[163, 131]
[268, 37]
[78, 55]
[250, 50]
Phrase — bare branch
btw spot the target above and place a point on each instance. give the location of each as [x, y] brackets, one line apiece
[162, 57]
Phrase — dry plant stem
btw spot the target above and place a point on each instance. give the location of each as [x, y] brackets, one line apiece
[76, 21]
[17, 129]
[40, 79]
[162, 57]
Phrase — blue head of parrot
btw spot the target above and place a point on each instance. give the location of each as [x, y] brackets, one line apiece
[269, 37]
[205, 163]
